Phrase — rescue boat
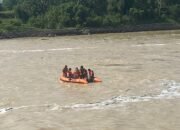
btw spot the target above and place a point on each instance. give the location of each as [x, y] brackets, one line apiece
[80, 81]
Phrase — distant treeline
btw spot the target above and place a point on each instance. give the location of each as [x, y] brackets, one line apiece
[57, 14]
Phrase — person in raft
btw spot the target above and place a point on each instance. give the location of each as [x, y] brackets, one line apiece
[76, 74]
[82, 76]
[90, 75]
[65, 71]
[70, 74]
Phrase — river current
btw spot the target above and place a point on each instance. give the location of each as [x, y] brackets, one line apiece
[140, 88]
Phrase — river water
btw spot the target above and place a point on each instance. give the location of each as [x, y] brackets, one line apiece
[140, 88]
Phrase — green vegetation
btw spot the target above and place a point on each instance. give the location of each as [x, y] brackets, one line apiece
[57, 14]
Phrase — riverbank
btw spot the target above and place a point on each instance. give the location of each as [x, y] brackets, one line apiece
[86, 31]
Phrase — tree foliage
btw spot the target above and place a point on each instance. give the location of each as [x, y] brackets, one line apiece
[93, 13]
[1, 7]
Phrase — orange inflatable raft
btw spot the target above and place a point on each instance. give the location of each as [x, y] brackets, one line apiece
[80, 81]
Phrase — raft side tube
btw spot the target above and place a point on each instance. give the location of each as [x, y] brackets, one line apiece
[80, 81]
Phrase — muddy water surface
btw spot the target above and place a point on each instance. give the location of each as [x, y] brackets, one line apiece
[140, 88]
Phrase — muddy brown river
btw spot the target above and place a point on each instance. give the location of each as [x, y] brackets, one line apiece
[140, 88]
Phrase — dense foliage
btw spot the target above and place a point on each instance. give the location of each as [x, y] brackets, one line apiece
[57, 14]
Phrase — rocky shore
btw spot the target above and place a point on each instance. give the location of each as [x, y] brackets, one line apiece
[85, 31]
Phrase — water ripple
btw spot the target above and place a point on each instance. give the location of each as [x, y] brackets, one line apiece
[170, 91]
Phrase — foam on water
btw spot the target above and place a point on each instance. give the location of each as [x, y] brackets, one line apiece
[140, 45]
[43, 50]
[170, 91]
